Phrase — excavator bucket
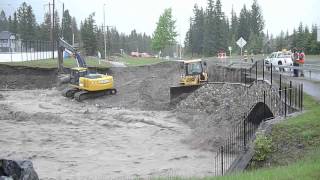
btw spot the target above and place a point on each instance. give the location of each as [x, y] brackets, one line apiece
[180, 92]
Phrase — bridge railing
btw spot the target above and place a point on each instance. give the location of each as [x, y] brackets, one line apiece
[282, 98]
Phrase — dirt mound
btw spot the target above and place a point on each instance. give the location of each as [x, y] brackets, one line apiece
[19, 77]
[145, 87]
[214, 109]
[211, 111]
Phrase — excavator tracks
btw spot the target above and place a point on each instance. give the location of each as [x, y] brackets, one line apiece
[82, 95]
[69, 92]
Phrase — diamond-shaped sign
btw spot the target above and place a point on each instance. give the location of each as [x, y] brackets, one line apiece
[241, 42]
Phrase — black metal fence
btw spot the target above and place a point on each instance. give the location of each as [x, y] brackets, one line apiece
[283, 98]
[21, 50]
[235, 145]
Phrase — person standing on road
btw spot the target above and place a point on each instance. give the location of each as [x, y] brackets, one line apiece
[294, 58]
[301, 61]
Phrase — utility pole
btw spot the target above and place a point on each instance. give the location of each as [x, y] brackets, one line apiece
[104, 32]
[109, 43]
[53, 32]
[62, 21]
[50, 21]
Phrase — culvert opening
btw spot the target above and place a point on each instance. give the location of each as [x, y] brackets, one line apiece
[259, 113]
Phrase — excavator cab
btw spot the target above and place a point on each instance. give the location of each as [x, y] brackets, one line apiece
[195, 72]
[194, 76]
[76, 73]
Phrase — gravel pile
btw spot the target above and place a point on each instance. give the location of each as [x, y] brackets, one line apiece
[213, 110]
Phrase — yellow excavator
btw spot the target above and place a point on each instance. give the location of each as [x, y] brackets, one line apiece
[194, 76]
[82, 83]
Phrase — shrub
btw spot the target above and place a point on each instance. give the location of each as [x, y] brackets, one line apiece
[262, 146]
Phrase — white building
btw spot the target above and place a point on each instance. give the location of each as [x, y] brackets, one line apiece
[7, 41]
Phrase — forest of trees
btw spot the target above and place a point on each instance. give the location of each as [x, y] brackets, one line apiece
[90, 36]
[210, 31]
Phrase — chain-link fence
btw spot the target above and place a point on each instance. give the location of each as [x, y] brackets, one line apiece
[20, 50]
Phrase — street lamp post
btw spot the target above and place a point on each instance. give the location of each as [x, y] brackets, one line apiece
[104, 33]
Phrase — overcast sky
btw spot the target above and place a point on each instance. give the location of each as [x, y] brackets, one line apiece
[142, 15]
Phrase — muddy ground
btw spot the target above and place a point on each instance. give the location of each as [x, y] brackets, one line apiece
[132, 134]
[136, 133]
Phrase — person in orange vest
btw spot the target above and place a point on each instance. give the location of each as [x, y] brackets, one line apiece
[301, 60]
[294, 57]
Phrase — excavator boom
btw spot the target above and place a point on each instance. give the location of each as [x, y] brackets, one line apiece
[63, 45]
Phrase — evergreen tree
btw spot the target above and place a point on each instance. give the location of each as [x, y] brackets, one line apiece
[45, 28]
[3, 22]
[314, 46]
[198, 31]
[57, 28]
[244, 24]
[221, 28]
[75, 30]
[13, 25]
[165, 34]
[257, 22]
[88, 35]
[26, 22]
[233, 30]
[209, 34]
[67, 26]
[188, 39]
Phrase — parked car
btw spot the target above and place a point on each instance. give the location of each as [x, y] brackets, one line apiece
[279, 58]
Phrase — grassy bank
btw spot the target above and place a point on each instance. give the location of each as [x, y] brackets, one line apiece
[133, 61]
[295, 144]
[91, 62]
[53, 63]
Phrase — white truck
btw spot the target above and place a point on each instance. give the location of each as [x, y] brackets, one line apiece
[279, 58]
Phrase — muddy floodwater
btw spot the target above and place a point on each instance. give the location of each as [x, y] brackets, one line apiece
[69, 140]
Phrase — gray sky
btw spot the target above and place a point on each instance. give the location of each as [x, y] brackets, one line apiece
[142, 15]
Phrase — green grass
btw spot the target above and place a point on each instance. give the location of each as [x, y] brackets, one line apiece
[307, 169]
[91, 62]
[132, 61]
[53, 63]
[296, 152]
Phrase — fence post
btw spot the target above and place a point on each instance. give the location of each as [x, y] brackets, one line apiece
[264, 104]
[245, 76]
[221, 160]
[296, 95]
[256, 71]
[21, 49]
[271, 74]
[301, 101]
[280, 88]
[263, 70]
[290, 93]
[244, 134]
[285, 102]
[27, 50]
